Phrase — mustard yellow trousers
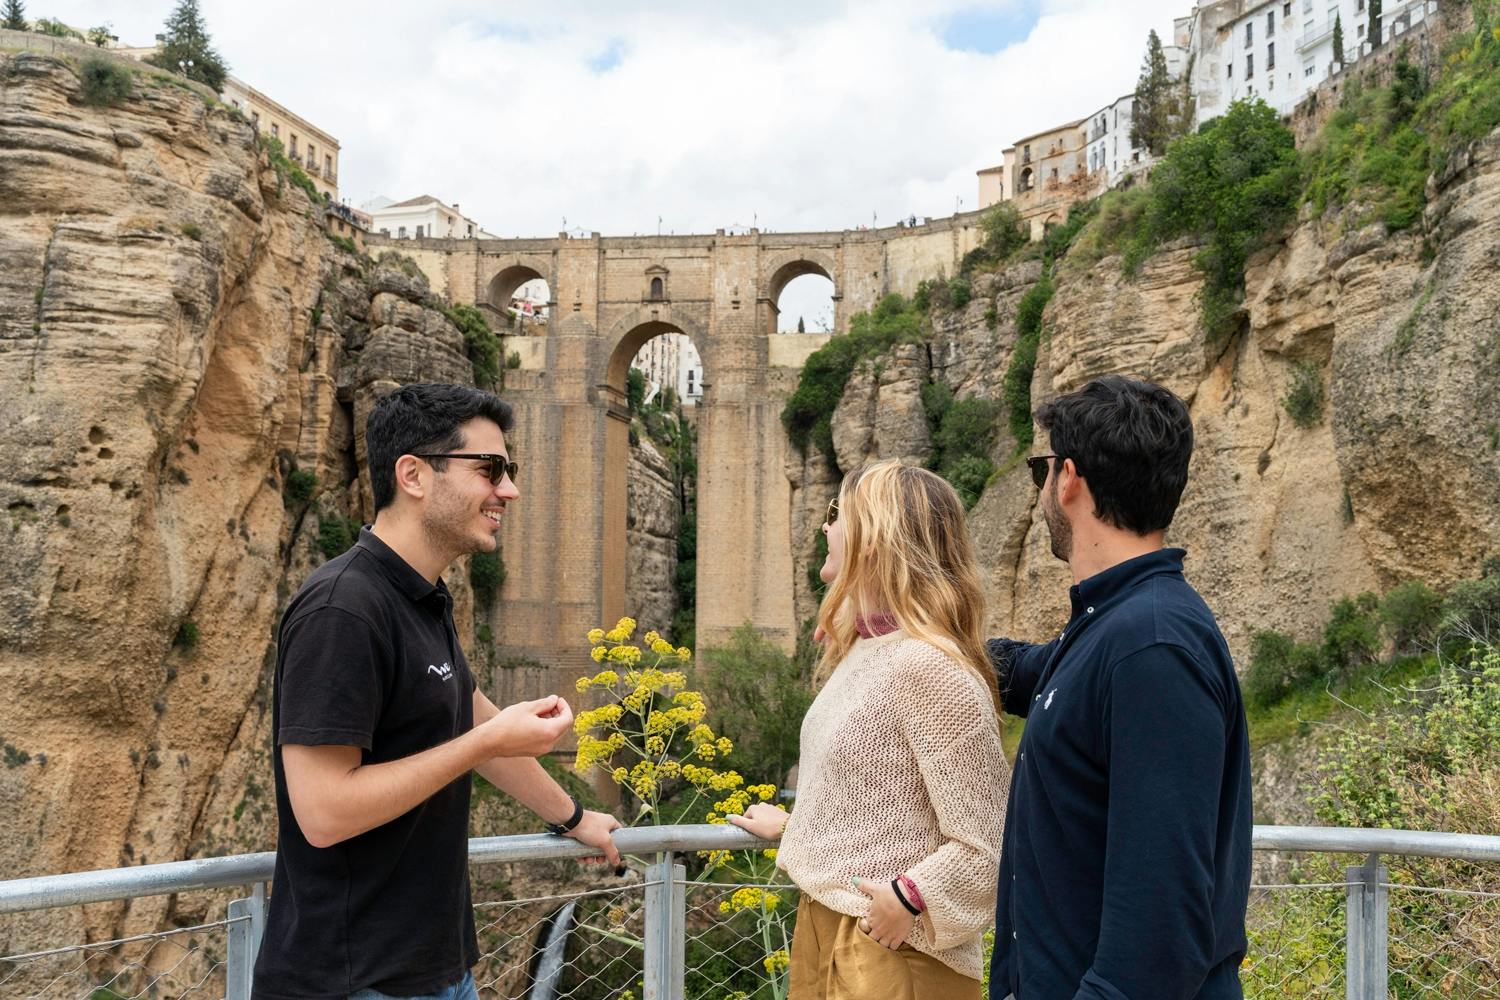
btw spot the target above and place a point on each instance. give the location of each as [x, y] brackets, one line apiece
[832, 959]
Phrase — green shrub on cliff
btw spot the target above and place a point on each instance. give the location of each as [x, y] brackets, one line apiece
[105, 82]
[1304, 397]
[1016, 390]
[962, 438]
[1229, 184]
[808, 414]
[480, 343]
[486, 576]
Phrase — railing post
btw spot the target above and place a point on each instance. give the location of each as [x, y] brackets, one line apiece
[666, 929]
[244, 942]
[1366, 921]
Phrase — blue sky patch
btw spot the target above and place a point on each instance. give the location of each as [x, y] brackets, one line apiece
[989, 31]
[603, 62]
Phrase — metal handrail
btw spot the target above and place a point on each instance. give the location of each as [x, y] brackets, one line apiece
[46, 891]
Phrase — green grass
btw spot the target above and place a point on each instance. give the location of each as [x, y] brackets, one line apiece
[1368, 689]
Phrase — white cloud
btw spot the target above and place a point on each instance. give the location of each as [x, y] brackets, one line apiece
[793, 115]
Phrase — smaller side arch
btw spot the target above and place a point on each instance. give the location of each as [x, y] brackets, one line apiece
[794, 264]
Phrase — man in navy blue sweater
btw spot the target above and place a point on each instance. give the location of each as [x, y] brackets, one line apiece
[1126, 862]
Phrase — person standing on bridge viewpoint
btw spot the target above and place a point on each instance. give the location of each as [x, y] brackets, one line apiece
[377, 723]
[1126, 866]
[895, 838]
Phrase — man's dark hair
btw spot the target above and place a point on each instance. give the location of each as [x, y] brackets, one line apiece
[423, 418]
[1131, 441]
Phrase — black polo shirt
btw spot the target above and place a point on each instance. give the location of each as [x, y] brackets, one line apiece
[1125, 868]
[367, 656]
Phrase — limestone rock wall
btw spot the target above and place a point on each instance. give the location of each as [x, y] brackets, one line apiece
[652, 522]
[177, 336]
[1400, 477]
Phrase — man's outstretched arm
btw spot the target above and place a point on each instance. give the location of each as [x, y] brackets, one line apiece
[334, 796]
[526, 781]
[1018, 670]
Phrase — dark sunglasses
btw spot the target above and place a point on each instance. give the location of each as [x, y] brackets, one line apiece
[500, 467]
[1040, 465]
[833, 511]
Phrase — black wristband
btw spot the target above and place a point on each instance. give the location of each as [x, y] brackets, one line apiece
[896, 885]
[571, 821]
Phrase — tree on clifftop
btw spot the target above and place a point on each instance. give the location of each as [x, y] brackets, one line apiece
[1157, 116]
[1373, 35]
[15, 15]
[186, 48]
[1338, 39]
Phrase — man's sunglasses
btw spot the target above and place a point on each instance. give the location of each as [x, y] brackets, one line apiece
[1040, 465]
[500, 466]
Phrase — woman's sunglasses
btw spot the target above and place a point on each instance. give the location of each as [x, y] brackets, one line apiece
[1039, 466]
[500, 466]
[833, 511]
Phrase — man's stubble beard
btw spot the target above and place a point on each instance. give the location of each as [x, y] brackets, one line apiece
[1057, 524]
[442, 525]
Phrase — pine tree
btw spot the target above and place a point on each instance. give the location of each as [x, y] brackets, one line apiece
[1338, 38]
[187, 49]
[15, 15]
[801, 326]
[1152, 125]
[1374, 33]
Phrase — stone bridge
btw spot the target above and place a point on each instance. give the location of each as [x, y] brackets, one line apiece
[564, 542]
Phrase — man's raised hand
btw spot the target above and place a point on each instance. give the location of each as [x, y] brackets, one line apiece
[528, 728]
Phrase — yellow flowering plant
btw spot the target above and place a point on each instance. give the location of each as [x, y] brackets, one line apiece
[650, 736]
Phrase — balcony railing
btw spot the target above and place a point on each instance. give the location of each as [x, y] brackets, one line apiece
[1313, 34]
[1316, 929]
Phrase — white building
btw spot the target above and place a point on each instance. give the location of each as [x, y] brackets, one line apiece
[423, 217]
[671, 360]
[1109, 146]
[1280, 50]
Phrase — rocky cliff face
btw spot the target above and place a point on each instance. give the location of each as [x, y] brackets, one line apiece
[1398, 478]
[652, 522]
[177, 337]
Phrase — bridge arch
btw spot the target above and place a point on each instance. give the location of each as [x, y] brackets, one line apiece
[507, 280]
[631, 331]
[785, 268]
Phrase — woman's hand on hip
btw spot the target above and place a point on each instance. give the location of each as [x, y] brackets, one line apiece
[764, 820]
[889, 922]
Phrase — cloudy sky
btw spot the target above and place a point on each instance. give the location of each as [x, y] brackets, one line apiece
[609, 114]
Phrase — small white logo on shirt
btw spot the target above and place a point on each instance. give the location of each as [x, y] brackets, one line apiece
[445, 672]
[1045, 705]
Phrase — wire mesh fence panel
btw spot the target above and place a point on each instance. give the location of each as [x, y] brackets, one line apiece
[182, 962]
[1297, 945]
[577, 946]
[1445, 939]
[738, 940]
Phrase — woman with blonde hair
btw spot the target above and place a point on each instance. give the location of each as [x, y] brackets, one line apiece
[895, 837]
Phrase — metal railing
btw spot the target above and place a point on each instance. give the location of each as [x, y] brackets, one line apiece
[1366, 931]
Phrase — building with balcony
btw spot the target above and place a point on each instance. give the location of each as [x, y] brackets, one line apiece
[1281, 50]
[346, 223]
[422, 217]
[314, 150]
[311, 148]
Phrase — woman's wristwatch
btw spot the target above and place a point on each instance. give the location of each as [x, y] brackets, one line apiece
[572, 821]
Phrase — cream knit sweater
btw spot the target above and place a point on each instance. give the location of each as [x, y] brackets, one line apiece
[901, 770]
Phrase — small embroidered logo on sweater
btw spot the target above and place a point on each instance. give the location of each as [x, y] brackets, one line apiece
[1048, 703]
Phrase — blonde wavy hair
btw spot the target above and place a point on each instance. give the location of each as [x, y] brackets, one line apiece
[907, 554]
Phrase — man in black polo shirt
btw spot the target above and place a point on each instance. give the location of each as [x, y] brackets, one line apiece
[1125, 868]
[378, 723]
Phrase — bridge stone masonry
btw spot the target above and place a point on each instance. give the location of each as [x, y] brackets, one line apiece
[564, 541]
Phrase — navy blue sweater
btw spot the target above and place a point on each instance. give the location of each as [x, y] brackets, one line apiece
[1126, 862]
